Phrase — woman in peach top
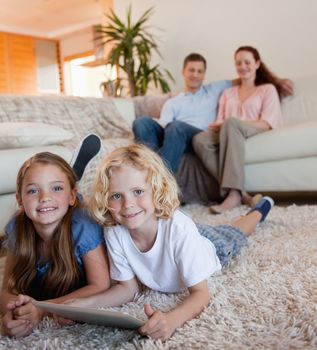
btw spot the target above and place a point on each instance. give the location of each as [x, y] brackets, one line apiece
[251, 107]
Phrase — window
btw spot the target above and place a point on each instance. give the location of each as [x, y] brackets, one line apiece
[85, 81]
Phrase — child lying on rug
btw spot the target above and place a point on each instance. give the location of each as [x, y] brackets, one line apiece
[149, 240]
[54, 250]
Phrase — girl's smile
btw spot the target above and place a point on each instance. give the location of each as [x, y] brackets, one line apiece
[45, 197]
[43, 210]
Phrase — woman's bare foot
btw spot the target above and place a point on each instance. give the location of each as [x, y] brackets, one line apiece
[231, 201]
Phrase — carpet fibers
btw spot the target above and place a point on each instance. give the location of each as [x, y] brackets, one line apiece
[266, 299]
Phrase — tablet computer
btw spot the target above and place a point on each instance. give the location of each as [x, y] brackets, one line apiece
[94, 316]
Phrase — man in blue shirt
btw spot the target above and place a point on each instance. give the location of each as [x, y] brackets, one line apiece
[183, 116]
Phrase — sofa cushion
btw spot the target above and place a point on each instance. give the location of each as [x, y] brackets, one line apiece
[299, 109]
[302, 106]
[150, 105]
[294, 141]
[20, 135]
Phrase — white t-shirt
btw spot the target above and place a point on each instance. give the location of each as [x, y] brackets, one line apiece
[179, 258]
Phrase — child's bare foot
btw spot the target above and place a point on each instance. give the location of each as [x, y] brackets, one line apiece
[251, 201]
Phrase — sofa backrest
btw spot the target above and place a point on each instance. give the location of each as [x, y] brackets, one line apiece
[299, 108]
[302, 106]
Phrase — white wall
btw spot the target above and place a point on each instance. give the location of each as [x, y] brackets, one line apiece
[284, 31]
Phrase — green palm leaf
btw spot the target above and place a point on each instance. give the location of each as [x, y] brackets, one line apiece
[131, 50]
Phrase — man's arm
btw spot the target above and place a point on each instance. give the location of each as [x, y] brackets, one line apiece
[286, 85]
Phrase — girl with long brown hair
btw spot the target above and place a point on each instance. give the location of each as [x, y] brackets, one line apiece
[54, 250]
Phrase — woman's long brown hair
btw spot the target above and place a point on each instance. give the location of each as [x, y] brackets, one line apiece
[63, 272]
[263, 74]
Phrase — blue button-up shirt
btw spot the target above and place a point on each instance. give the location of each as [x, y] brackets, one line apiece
[198, 109]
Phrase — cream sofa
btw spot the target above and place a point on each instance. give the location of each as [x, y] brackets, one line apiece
[283, 160]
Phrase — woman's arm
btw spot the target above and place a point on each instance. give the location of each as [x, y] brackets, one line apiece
[216, 125]
[221, 108]
[262, 124]
[162, 325]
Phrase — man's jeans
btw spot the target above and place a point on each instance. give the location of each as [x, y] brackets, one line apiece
[171, 143]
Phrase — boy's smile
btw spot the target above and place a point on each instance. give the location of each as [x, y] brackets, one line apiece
[131, 201]
[132, 215]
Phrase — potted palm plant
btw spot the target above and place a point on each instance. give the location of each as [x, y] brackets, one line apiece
[131, 49]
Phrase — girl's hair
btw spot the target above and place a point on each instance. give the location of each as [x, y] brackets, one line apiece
[163, 183]
[263, 74]
[63, 272]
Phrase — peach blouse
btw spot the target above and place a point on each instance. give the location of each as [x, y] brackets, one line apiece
[263, 104]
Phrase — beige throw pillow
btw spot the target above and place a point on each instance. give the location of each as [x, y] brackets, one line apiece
[150, 105]
[21, 135]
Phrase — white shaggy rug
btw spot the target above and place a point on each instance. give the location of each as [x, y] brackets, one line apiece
[267, 299]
